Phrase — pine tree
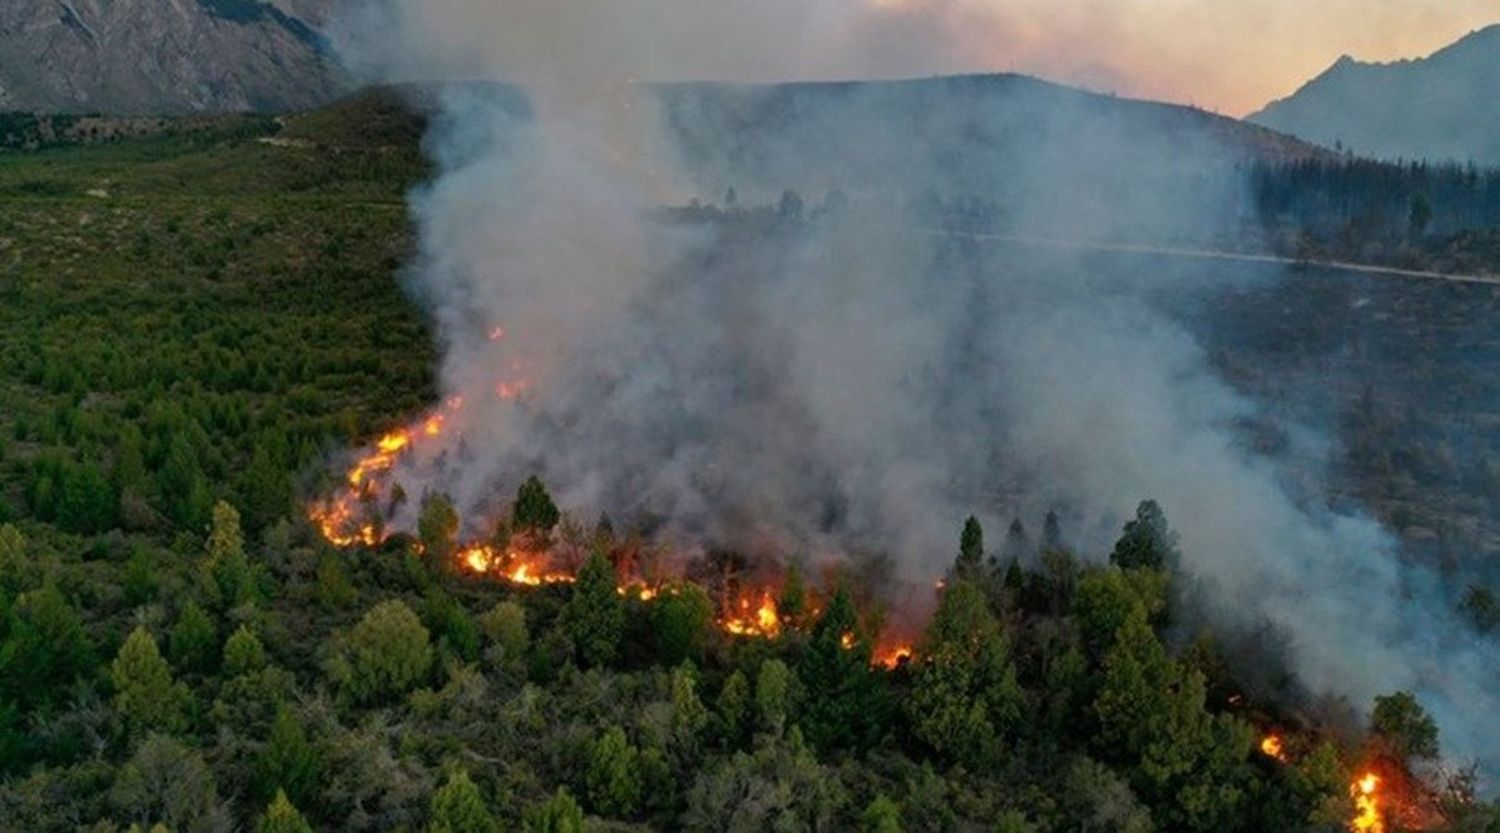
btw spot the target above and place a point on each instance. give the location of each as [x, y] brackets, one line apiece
[193, 642]
[12, 558]
[265, 491]
[534, 510]
[773, 693]
[595, 614]
[881, 815]
[243, 653]
[682, 621]
[612, 779]
[183, 485]
[46, 649]
[847, 705]
[558, 814]
[88, 504]
[965, 696]
[732, 709]
[1147, 541]
[146, 696]
[1400, 721]
[970, 550]
[282, 817]
[234, 581]
[437, 528]
[457, 807]
[288, 763]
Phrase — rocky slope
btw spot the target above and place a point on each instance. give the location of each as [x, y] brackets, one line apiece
[148, 57]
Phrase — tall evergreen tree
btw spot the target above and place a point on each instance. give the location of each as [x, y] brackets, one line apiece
[146, 696]
[282, 817]
[534, 510]
[1147, 541]
[847, 706]
[970, 549]
[595, 614]
[457, 807]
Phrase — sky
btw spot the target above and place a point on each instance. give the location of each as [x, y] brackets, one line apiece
[1232, 56]
[1229, 56]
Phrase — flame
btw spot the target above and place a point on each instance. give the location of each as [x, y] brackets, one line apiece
[345, 520]
[764, 620]
[891, 657]
[342, 519]
[1366, 794]
[1271, 746]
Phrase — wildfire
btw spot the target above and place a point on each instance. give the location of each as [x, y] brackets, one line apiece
[1369, 817]
[1271, 746]
[513, 566]
[342, 518]
[763, 620]
[351, 517]
[1366, 794]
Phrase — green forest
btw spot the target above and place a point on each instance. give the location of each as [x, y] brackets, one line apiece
[194, 324]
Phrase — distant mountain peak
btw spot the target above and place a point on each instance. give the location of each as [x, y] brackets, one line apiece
[1441, 107]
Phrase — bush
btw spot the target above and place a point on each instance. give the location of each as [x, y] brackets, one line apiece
[384, 656]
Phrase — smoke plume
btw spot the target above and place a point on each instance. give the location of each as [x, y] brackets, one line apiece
[826, 376]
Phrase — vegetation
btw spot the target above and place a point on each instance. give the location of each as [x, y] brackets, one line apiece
[180, 650]
[1416, 215]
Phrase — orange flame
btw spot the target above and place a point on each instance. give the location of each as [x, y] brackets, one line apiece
[764, 620]
[891, 657]
[1271, 746]
[1366, 794]
[343, 520]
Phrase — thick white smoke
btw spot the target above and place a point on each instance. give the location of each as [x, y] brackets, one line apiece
[848, 384]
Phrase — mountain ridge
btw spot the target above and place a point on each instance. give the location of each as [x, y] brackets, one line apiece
[1437, 108]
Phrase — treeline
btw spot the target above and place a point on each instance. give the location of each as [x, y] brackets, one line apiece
[293, 686]
[1412, 213]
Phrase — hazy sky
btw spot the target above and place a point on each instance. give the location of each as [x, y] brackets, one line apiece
[1228, 55]
[1232, 56]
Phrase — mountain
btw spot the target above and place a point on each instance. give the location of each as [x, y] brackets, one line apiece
[1442, 107]
[153, 57]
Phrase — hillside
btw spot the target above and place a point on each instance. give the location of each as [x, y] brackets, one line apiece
[153, 57]
[992, 147]
[201, 318]
[1442, 107]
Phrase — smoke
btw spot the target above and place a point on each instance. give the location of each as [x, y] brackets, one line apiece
[850, 383]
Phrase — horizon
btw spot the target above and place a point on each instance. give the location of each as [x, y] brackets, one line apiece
[1189, 52]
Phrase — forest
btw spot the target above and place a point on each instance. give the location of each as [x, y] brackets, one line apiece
[1437, 217]
[193, 326]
